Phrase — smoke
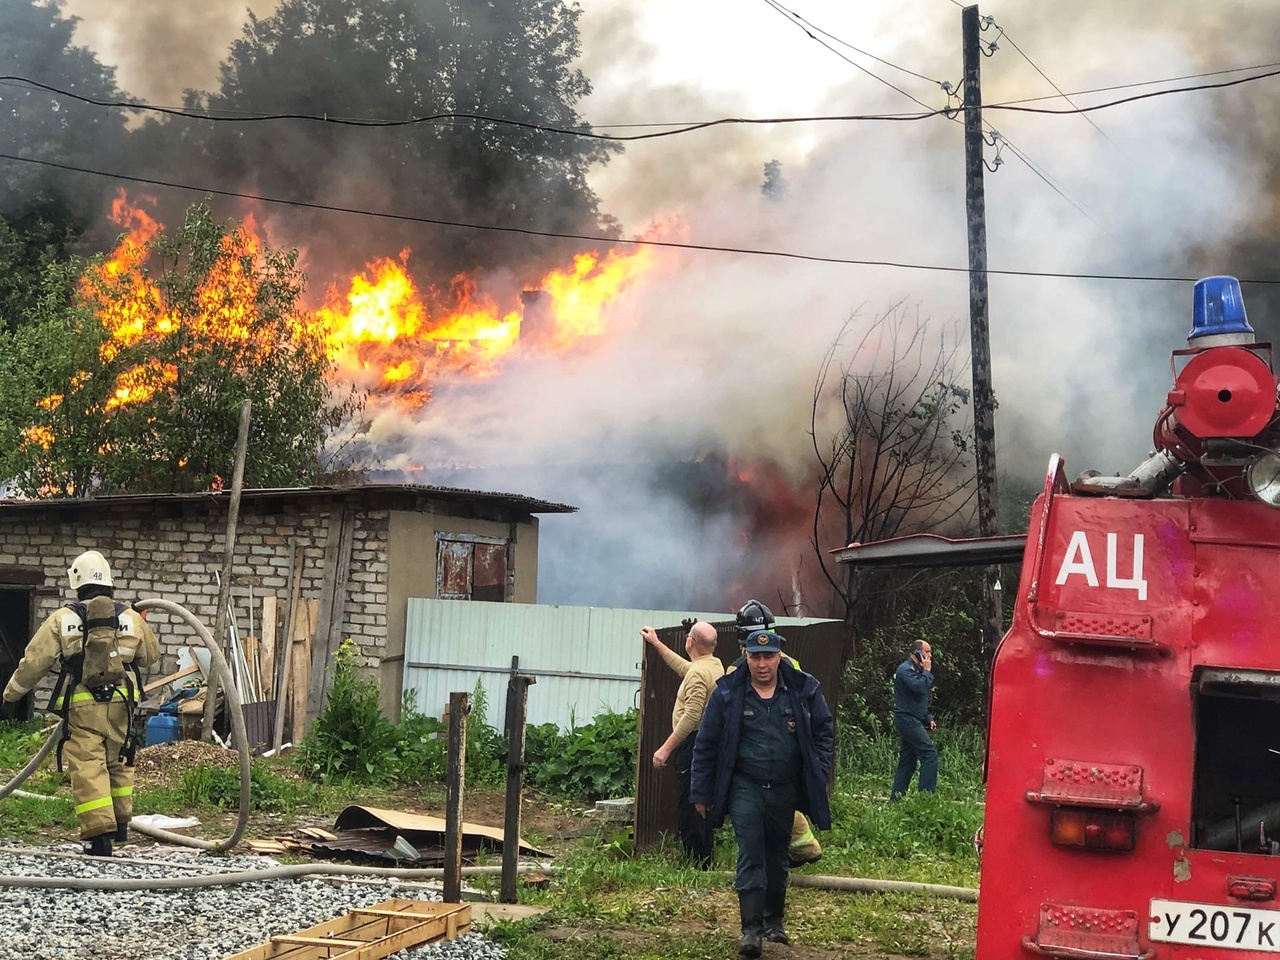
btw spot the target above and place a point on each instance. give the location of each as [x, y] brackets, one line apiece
[161, 48]
[709, 365]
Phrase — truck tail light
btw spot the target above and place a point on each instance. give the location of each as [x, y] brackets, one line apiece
[1092, 829]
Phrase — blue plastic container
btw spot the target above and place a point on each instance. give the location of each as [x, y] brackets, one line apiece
[162, 728]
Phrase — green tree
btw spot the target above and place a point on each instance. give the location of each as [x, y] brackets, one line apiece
[46, 210]
[405, 58]
[130, 374]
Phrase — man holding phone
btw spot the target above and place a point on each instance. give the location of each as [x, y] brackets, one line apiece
[912, 682]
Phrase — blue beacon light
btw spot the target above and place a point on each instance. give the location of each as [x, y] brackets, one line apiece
[1218, 309]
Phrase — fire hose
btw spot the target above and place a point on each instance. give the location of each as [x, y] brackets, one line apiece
[218, 665]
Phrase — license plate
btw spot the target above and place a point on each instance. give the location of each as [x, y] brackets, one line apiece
[1215, 925]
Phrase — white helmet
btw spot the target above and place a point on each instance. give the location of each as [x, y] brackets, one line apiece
[89, 567]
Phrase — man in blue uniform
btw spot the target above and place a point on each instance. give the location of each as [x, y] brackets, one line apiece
[763, 751]
[912, 682]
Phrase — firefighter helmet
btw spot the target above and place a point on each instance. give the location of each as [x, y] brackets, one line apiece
[753, 616]
[89, 568]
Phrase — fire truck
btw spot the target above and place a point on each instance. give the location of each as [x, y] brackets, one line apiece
[1133, 775]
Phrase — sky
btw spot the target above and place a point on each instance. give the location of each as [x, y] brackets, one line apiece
[719, 351]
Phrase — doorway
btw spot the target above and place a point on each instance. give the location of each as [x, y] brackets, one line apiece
[16, 606]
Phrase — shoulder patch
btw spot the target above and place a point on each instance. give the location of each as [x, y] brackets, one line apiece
[72, 625]
[128, 625]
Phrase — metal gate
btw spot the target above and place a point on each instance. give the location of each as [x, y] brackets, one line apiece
[819, 648]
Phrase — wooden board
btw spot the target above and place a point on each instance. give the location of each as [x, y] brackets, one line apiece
[368, 933]
[267, 651]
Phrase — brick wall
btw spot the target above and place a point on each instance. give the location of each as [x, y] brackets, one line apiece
[179, 556]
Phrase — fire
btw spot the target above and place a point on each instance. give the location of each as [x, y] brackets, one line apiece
[399, 340]
[382, 330]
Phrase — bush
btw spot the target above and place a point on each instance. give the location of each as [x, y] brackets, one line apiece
[352, 740]
[588, 763]
[423, 750]
[486, 747]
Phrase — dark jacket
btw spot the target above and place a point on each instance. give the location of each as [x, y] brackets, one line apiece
[716, 749]
[911, 683]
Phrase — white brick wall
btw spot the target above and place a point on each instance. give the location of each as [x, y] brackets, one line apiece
[177, 559]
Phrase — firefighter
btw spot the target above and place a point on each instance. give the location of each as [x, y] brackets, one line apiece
[753, 616]
[98, 736]
[763, 751]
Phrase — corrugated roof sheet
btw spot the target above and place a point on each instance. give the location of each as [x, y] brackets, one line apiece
[931, 550]
[376, 490]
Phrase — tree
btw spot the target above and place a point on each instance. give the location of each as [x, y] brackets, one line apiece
[46, 210]
[891, 439]
[410, 58]
[774, 186]
[130, 379]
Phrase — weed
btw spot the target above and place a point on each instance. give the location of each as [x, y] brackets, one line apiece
[220, 787]
[590, 762]
[352, 739]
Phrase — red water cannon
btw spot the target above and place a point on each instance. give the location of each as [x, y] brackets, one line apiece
[1221, 424]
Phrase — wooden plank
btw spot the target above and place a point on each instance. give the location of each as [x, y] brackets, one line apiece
[299, 683]
[318, 941]
[333, 596]
[366, 933]
[171, 678]
[249, 650]
[267, 647]
[291, 607]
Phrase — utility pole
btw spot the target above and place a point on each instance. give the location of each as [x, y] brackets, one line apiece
[984, 428]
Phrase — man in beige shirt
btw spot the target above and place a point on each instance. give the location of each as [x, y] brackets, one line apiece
[698, 676]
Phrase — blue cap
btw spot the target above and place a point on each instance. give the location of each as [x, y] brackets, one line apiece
[763, 641]
[1218, 308]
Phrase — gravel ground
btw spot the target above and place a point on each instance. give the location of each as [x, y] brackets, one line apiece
[204, 923]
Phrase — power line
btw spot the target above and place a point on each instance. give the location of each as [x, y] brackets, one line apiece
[948, 112]
[801, 23]
[483, 118]
[1149, 83]
[669, 244]
[810, 24]
[1141, 96]
[1052, 184]
[1064, 96]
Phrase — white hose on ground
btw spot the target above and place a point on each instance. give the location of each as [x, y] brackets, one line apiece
[860, 885]
[236, 709]
[282, 872]
[219, 666]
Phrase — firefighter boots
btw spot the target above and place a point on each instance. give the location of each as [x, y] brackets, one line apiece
[122, 832]
[99, 846]
[751, 907]
[775, 905]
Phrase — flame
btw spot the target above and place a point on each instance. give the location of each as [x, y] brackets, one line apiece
[128, 304]
[581, 295]
[400, 340]
[382, 330]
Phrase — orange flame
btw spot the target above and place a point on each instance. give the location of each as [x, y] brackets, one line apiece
[399, 340]
[381, 330]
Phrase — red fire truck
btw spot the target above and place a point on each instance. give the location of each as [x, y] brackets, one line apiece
[1133, 792]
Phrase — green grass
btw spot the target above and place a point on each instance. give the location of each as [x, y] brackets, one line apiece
[605, 903]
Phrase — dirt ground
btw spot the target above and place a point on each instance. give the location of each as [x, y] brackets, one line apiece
[162, 766]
